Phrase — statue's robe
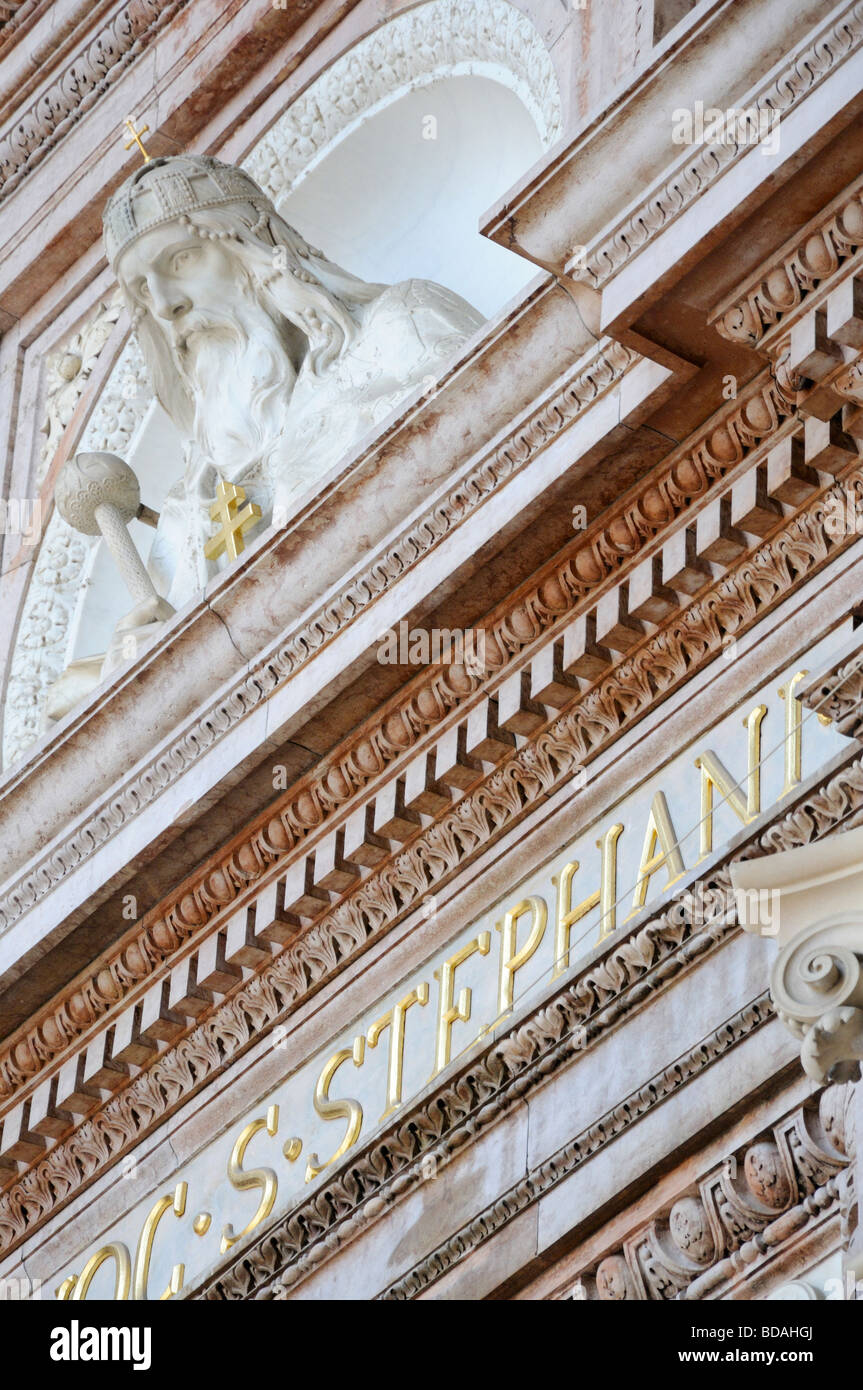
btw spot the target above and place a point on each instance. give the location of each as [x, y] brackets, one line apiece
[406, 335]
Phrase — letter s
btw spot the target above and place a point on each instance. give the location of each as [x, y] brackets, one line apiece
[349, 1110]
[247, 1180]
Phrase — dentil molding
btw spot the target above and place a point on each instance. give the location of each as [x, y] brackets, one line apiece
[432, 699]
[432, 858]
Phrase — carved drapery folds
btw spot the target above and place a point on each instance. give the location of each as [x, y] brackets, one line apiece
[433, 39]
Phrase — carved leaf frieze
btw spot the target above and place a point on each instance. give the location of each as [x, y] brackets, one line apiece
[600, 992]
[572, 740]
[555, 595]
[74, 90]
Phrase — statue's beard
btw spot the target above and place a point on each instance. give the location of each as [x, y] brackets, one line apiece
[239, 374]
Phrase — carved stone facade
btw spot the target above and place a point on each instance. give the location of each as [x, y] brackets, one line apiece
[478, 958]
[788, 1182]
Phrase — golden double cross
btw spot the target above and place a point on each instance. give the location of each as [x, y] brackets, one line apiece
[234, 523]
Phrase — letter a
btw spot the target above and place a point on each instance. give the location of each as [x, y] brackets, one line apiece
[60, 1344]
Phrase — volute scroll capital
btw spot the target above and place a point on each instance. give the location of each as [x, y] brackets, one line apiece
[817, 986]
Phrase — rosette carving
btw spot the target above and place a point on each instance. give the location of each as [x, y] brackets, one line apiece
[689, 1226]
[766, 1177]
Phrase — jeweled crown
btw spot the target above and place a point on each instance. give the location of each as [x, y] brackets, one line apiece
[170, 187]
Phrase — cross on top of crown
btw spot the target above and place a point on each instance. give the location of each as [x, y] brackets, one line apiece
[136, 137]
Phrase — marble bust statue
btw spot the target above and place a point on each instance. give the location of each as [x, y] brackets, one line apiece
[271, 361]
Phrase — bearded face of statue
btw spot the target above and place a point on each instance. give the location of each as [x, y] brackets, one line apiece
[202, 317]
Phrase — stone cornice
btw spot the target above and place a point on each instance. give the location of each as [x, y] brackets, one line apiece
[431, 700]
[802, 72]
[180, 742]
[84, 78]
[54, 35]
[526, 778]
[567, 1159]
[482, 459]
[837, 690]
[595, 237]
[596, 999]
[620, 981]
[64, 856]
[9, 11]
[13, 14]
[756, 310]
[523, 1058]
[582, 568]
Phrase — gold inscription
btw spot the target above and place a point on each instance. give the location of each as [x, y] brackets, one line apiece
[659, 831]
[394, 1019]
[349, 1110]
[145, 1245]
[263, 1179]
[512, 960]
[448, 1013]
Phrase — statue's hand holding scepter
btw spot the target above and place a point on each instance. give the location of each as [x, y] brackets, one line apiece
[98, 494]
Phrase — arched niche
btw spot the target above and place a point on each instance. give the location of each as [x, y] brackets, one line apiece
[427, 44]
[416, 190]
[416, 177]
